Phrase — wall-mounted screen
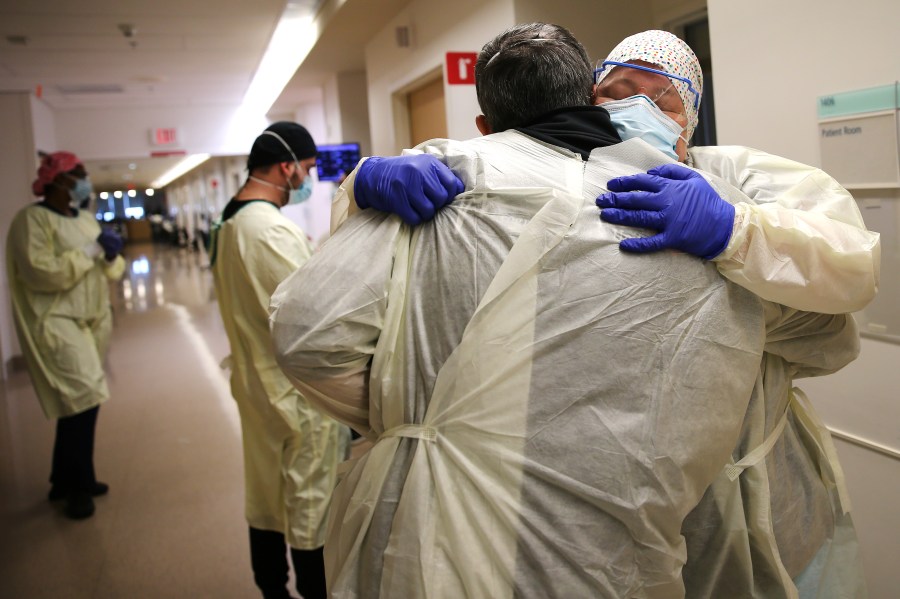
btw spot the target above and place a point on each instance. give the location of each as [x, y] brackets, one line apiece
[335, 160]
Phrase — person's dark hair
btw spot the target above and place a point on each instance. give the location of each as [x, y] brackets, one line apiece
[529, 70]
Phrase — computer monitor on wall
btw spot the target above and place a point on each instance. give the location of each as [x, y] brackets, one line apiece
[335, 160]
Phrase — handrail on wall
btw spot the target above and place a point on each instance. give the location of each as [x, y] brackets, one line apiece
[865, 443]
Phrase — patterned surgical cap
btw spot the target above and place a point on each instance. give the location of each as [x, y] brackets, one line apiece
[52, 165]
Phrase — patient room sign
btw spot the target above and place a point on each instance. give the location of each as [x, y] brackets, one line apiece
[461, 68]
[858, 137]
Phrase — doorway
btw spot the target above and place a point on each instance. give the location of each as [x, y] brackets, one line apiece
[427, 112]
[696, 34]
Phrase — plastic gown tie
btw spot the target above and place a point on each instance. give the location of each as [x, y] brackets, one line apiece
[805, 414]
[411, 431]
[734, 470]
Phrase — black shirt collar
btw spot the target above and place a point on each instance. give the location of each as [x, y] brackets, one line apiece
[578, 128]
[234, 206]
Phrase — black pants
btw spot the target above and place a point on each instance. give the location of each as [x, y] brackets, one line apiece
[73, 452]
[268, 555]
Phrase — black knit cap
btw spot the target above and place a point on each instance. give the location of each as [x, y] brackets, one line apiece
[268, 149]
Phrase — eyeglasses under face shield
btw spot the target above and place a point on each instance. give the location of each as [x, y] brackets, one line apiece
[612, 63]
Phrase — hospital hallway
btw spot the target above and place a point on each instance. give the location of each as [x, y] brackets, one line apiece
[167, 443]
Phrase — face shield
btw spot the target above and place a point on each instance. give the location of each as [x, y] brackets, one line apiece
[660, 89]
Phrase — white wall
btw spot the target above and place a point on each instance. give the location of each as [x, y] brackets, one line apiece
[771, 60]
[332, 106]
[17, 170]
[354, 110]
[435, 29]
[125, 133]
[598, 24]
[43, 127]
[28, 126]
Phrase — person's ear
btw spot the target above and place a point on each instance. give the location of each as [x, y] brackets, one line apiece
[483, 127]
[285, 168]
[594, 95]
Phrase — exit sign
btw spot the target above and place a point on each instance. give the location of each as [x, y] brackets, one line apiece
[461, 68]
[164, 136]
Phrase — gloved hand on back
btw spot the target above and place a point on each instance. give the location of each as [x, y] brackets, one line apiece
[675, 201]
[111, 243]
[414, 187]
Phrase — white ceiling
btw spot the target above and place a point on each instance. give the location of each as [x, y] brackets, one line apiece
[181, 52]
[341, 44]
[110, 175]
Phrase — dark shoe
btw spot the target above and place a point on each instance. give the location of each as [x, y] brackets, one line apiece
[58, 492]
[79, 506]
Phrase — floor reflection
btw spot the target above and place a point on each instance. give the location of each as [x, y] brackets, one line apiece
[157, 275]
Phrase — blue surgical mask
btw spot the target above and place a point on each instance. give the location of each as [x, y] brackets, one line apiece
[81, 192]
[638, 116]
[302, 193]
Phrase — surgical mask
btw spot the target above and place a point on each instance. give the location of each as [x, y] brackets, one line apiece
[81, 193]
[295, 196]
[302, 193]
[638, 116]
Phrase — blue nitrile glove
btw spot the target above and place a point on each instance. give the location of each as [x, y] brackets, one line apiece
[111, 243]
[413, 187]
[674, 200]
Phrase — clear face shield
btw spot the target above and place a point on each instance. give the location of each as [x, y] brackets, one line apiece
[634, 80]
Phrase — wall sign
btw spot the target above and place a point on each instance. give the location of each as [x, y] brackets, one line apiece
[461, 68]
[861, 151]
[858, 137]
[164, 136]
[860, 144]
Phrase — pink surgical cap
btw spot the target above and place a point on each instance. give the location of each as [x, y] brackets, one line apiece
[52, 165]
[672, 55]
